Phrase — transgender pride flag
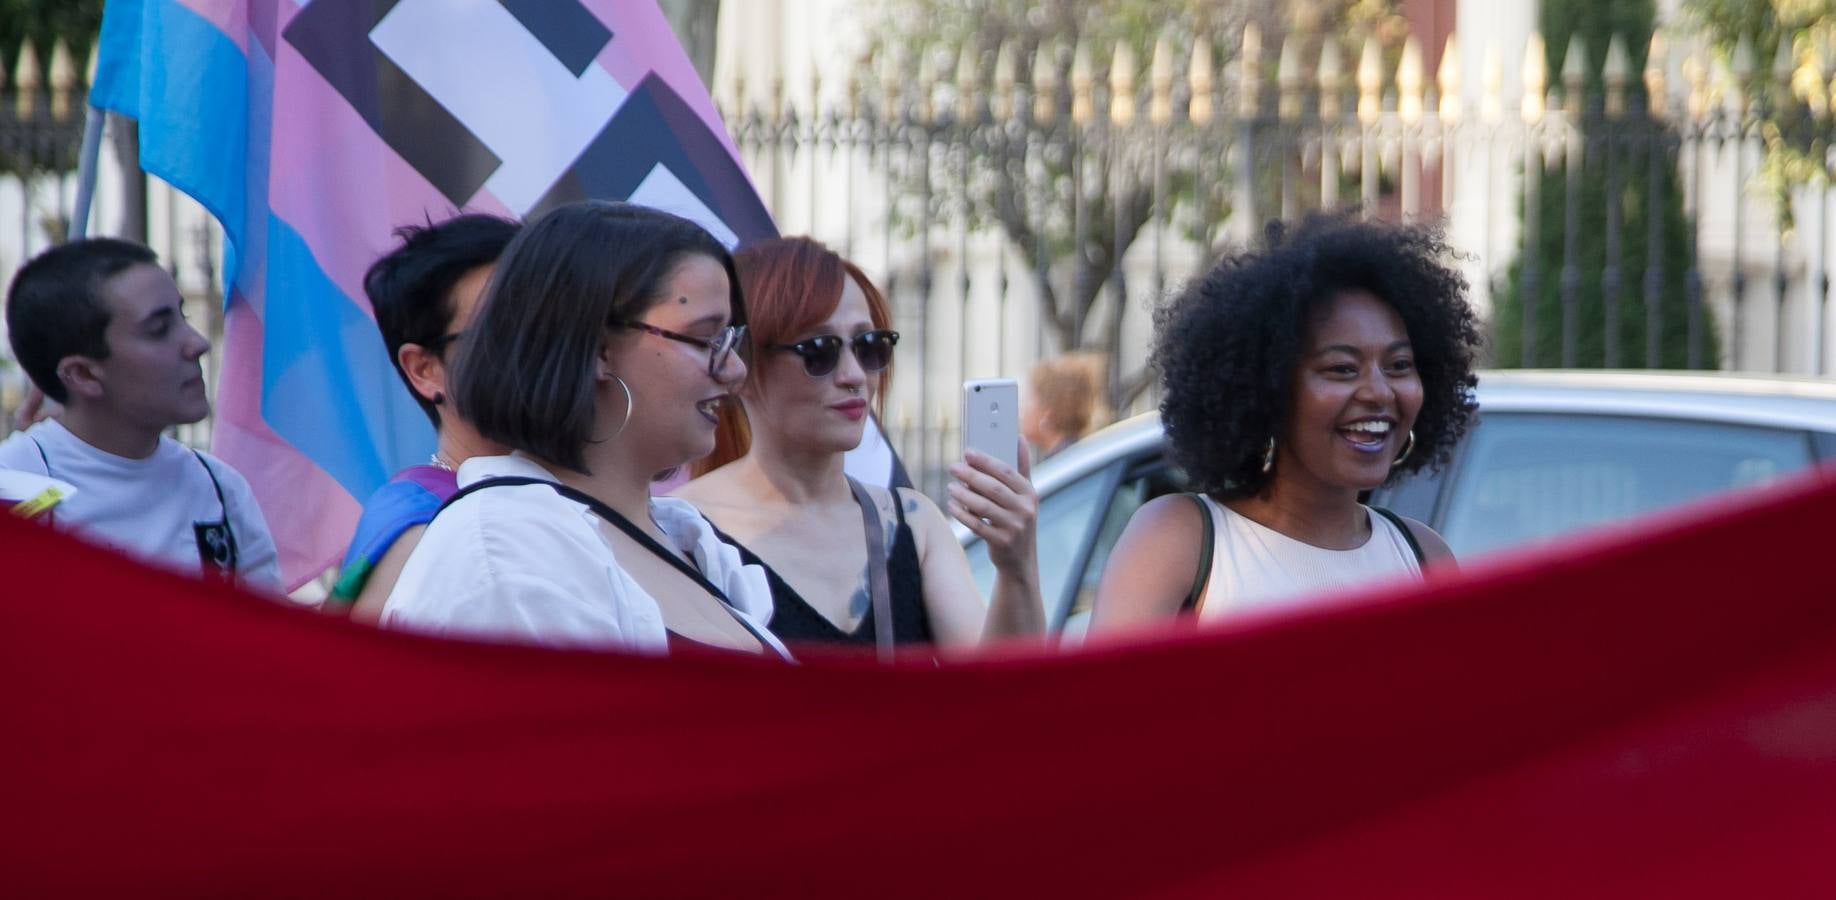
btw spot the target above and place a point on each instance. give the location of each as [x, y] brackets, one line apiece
[313, 130]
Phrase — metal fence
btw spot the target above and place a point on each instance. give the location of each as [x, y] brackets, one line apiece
[1022, 200]
[41, 125]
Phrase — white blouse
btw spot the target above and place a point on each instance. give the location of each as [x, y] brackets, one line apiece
[525, 564]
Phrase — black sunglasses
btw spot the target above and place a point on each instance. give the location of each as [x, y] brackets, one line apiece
[820, 354]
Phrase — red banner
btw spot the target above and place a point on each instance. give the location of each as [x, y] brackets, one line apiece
[1653, 714]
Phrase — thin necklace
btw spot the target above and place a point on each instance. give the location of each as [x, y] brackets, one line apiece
[439, 462]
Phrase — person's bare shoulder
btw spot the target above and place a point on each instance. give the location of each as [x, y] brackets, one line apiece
[1435, 551]
[713, 490]
[1154, 563]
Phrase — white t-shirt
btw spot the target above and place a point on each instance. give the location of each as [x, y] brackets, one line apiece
[523, 563]
[156, 509]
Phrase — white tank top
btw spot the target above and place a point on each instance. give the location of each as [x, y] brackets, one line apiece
[1254, 567]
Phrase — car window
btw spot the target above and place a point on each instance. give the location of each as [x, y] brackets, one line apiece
[1525, 477]
[1066, 517]
[1143, 482]
[1413, 495]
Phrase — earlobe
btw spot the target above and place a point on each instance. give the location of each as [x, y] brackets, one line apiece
[425, 372]
[79, 377]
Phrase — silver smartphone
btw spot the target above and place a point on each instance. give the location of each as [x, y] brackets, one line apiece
[991, 418]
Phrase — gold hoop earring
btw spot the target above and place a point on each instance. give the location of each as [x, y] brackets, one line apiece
[1408, 448]
[1268, 456]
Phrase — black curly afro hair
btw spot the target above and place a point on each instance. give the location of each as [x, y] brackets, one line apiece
[1227, 347]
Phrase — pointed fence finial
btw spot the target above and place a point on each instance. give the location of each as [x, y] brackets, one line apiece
[62, 79]
[1574, 74]
[1616, 72]
[1045, 83]
[1332, 78]
[1696, 75]
[1447, 78]
[1083, 107]
[1198, 76]
[968, 84]
[1122, 84]
[1784, 64]
[1657, 98]
[26, 81]
[1370, 81]
[1290, 79]
[1160, 82]
[1409, 81]
[1742, 63]
[929, 66]
[1249, 69]
[1004, 101]
[892, 81]
[1536, 78]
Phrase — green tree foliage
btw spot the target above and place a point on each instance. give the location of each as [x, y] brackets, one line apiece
[44, 22]
[1571, 294]
[1071, 199]
[1793, 115]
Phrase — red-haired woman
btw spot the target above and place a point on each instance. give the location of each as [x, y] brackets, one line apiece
[846, 559]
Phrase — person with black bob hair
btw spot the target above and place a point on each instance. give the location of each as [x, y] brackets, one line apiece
[424, 294]
[605, 344]
[1294, 380]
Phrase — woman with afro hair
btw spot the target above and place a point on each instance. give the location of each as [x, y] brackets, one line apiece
[1294, 380]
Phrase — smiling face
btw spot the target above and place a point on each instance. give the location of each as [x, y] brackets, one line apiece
[1356, 393]
[151, 378]
[673, 396]
[827, 412]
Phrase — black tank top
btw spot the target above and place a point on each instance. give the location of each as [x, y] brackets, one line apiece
[794, 621]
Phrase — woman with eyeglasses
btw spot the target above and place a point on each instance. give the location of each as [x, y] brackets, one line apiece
[852, 563]
[605, 344]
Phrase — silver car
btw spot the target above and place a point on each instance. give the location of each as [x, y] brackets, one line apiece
[1552, 452]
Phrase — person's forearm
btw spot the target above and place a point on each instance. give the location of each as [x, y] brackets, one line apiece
[1015, 609]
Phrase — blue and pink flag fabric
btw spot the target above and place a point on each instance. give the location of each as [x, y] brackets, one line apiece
[313, 130]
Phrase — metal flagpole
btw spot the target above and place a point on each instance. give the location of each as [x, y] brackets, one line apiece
[93, 120]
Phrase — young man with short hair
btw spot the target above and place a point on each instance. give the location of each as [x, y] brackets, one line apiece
[101, 329]
[423, 293]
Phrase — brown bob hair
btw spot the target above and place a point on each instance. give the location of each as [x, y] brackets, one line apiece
[525, 373]
[791, 285]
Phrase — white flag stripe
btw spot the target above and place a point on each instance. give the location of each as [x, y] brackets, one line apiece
[497, 79]
[661, 189]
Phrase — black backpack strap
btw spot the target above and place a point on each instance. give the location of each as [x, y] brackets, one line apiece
[1415, 546]
[1190, 604]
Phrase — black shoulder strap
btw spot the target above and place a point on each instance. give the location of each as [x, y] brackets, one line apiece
[1209, 537]
[878, 587]
[631, 530]
[600, 509]
[214, 484]
[1415, 546]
